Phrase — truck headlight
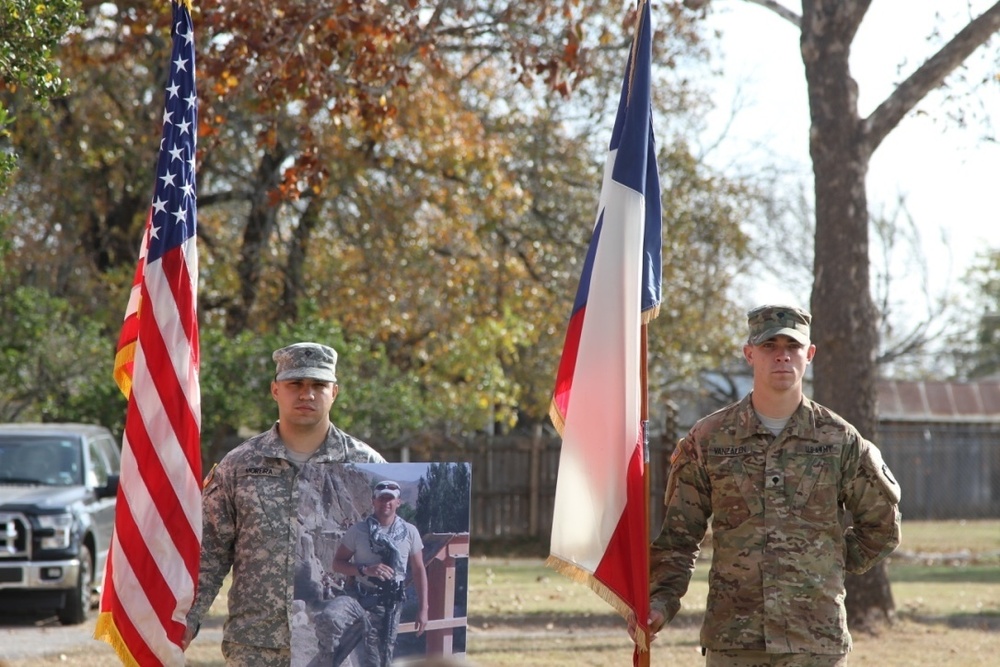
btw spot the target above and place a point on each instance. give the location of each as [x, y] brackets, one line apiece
[58, 530]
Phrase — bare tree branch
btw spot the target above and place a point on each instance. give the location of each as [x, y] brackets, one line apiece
[930, 75]
[779, 9]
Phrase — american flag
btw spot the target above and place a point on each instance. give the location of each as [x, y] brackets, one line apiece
[152, 569]
[599, 524]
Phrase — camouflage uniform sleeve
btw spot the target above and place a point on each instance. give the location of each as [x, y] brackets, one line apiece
[217, 541]
[688, 506]
[355, 450]
[872, 498]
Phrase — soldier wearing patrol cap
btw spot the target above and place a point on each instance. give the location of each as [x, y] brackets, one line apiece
[378, 554]
[251, 500]
[774, 473]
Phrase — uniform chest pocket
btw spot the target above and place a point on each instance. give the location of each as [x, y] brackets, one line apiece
[814, 497]
[264, 505]
[734, 496]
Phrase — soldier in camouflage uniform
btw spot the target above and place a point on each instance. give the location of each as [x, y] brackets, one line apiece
[775, 473]
[376, 554]
[250, 505]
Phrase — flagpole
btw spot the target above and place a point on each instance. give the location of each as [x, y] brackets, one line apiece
[644, 656]
[642, 659]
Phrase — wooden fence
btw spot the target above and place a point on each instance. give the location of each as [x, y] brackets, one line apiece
[946, 471]
[514, 482]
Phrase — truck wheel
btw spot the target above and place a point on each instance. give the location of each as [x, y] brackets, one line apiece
[78, 598]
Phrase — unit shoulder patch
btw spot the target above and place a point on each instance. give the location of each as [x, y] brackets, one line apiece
[871, 461]
[209, 477]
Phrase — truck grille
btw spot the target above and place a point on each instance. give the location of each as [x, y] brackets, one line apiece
[15, 536]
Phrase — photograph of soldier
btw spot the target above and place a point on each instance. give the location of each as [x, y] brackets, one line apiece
[376, 554]
[360, 572]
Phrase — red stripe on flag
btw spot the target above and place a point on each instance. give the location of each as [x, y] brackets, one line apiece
[159, 356]
[169, 507]
[144, 568]
[174, 267]
[625, 566]
[126, 630]
[567, 365]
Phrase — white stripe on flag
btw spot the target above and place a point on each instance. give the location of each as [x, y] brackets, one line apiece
[604, 407]
[139, 610]
[156, 535]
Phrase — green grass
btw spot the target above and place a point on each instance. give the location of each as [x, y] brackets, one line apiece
[948, 572]
[978, 539]
[945, 583]
[901, 572]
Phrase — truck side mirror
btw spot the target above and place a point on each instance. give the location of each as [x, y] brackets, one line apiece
[109, 490]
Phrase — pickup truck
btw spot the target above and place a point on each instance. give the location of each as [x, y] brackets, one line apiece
[58, 487]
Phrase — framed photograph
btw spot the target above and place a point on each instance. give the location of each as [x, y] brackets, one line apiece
[377, 541]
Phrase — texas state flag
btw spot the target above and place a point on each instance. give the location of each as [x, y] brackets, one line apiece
[600, 522]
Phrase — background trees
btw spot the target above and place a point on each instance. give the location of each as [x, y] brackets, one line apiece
[428, 199]
[414, 181]
[441, 499]
[421, 182]
[30, 34]
[976, 349]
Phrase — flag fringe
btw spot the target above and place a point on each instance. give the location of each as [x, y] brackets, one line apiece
[557, 419]
[123, 378]
[650, 314]
[107, 631]
[578, 574]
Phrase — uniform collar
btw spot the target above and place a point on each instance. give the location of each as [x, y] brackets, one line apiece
[802, 423]
[274, 447]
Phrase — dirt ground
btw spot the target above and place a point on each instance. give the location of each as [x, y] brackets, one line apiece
[538, 642]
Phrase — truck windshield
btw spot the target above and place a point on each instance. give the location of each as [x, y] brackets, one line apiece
[47, 460]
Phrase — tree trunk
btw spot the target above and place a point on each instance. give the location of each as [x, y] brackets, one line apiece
[869, 597]
[261, 222]
[298, 253]
[845, 327]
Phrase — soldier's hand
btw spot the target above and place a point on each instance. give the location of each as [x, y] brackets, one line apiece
[380, 571]
[656, 620]
[189, 634]
[421, 621]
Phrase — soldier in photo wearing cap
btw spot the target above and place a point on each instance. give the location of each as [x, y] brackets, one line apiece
[774, 475]
[376, 554]
[250, 504]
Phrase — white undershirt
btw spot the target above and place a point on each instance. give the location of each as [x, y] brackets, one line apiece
[771, 424]
[298, 458]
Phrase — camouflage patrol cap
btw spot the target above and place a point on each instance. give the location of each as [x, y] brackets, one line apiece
[766, 322]
[301, 361]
